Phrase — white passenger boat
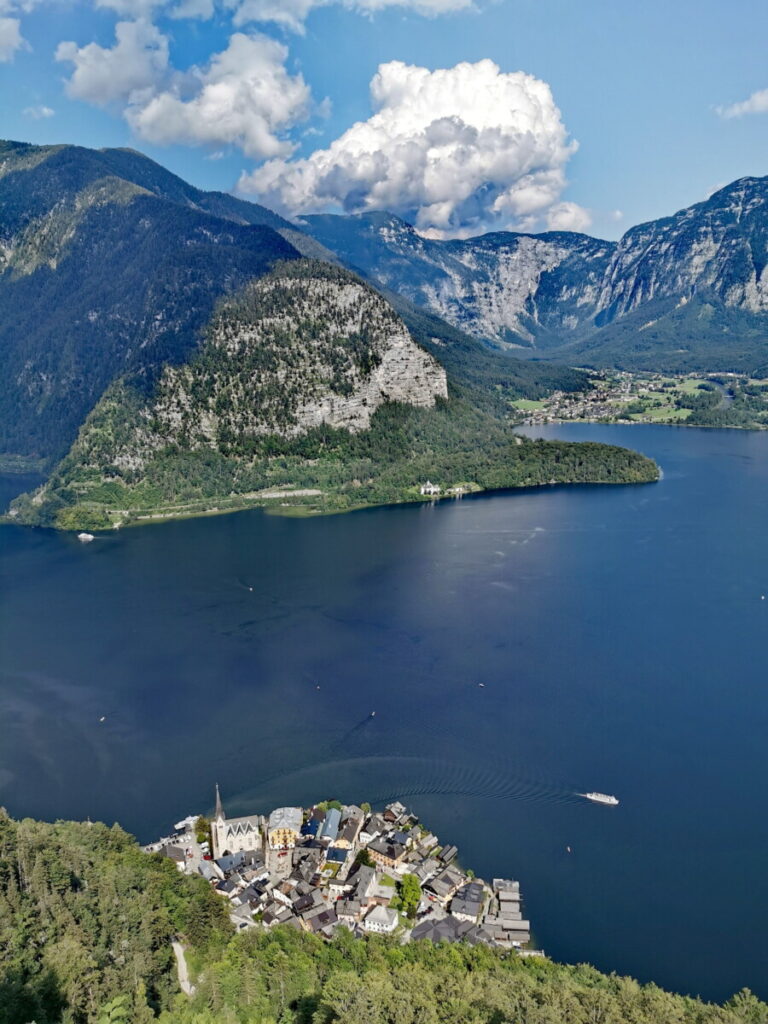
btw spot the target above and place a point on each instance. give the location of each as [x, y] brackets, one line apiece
[601, 798]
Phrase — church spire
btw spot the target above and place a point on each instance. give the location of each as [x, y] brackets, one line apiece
[219, 809]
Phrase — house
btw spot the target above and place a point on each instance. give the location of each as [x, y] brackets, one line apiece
[446, 883]
[330, 827]
[394, 811]
[465, 910]
[284, 827]
[449, 929]
[430, 490]
[234, 835]
[321, 919]
[387, 852]
[176, 854]
[348, 911]
[350, 830]
[448, 853]
[383, 920]
[363, 882]
[336, 855]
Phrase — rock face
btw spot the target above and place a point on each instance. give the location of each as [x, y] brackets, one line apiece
[573, 295]
[718, 249]
[504, 287]
[307, 345]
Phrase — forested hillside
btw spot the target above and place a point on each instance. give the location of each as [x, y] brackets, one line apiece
[99, 277]
[87, 920]
[308, 392]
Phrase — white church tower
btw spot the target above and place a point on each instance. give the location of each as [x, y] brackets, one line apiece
[234, 835]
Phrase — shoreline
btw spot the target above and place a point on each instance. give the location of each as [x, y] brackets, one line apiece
[301, 511]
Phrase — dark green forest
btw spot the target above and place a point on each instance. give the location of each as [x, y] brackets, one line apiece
[87, 921]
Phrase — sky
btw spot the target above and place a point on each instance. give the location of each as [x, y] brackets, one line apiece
[462, 116]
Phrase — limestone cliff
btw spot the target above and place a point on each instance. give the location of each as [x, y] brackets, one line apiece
[307, 345]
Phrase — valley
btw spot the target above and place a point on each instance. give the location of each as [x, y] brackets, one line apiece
[700, 400]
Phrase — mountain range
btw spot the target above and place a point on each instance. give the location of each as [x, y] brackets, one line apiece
[170, 351]
[687, 292]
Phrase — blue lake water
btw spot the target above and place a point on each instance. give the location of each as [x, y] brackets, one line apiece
[619, 633]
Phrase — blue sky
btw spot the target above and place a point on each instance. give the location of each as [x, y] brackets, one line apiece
[643, 88]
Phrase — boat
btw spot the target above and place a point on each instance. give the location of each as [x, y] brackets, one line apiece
[86, 538]
[600, 798]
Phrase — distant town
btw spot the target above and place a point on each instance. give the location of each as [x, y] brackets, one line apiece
[332, 866]
[623, 397]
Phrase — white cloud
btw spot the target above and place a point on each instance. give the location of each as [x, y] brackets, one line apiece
[11, 38]
[244, 97]
[293, 13]
[456, 150]
[568, 217]
[38, 113]
[202, 9]
[757, 103]
[103, 75]
[289, 13]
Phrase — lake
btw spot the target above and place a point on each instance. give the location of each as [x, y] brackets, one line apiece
[619, 634]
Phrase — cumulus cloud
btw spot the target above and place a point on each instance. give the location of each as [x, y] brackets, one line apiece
[757, 103]
[104, 75]
[455, 150]
[11, 38]
[244, 97]
[38, 113]
[568, 217]
[293, 13]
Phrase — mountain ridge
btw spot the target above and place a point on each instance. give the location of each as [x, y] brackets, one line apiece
[567, 296]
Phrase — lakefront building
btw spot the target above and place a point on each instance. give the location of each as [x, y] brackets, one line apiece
[234, 835]
[284, 827]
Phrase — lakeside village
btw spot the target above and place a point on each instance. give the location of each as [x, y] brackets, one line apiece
[623, 397]
[333, 866]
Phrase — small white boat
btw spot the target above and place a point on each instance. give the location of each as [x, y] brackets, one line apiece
[600, 798]
[85, 538]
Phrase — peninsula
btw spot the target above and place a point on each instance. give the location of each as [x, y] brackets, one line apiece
[328, 866]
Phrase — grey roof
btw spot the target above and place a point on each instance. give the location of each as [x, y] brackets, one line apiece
[348, 908]
[450, 929]
[468, 907]
[330, 828]
[286, 817]
[387, 848]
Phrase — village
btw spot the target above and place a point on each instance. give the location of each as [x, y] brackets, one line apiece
[333, 866]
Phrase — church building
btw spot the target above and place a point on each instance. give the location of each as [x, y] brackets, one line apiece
[235, 835]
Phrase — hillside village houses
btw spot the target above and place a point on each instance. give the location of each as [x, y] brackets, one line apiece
[332, 866]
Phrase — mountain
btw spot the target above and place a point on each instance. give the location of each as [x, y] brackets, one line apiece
[171, 351]
[108, 265]
[307, 390]
[686, 292]
[507, 288]
[111, 265]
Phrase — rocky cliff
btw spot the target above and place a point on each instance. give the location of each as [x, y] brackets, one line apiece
[504, 287]
[305, 346]
[576, 298]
